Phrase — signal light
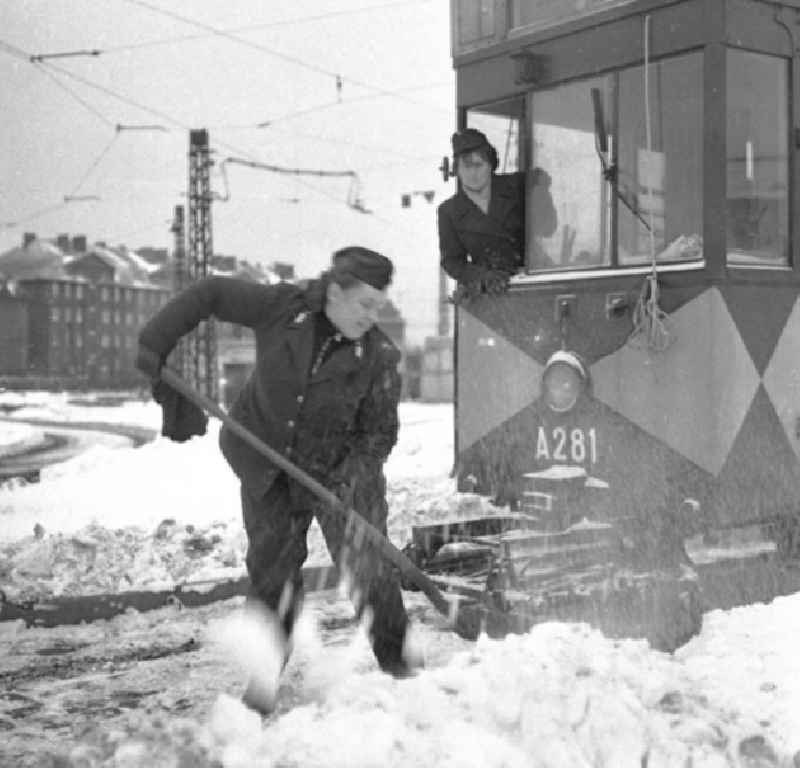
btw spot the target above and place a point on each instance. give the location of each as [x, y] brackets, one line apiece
[563, 381]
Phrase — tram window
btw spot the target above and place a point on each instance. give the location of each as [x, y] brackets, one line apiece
[543, 14]
[661, 188]
[501, 122]
[757, 159]
[563, 145]
[610, 187]
[474, 23]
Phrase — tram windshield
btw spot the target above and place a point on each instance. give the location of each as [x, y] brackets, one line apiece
[757, 159]
[626, 189]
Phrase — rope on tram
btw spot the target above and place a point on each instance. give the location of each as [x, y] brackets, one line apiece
[652, 328]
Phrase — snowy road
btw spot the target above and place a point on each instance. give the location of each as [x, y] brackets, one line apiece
[58, 685]
[155, 689]
[58, 443]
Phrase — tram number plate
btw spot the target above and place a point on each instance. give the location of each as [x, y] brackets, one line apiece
[567, 444]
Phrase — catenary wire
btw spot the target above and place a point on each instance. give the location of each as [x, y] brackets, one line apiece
[44, 70]
[95, 163]
[19, 53]
[270, 51]
[264, 25]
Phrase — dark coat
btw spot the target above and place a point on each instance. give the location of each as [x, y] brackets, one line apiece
[471, 241]
[340, 421]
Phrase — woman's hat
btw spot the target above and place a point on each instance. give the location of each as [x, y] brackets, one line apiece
[468, 140]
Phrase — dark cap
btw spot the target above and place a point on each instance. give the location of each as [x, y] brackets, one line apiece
[368, 266]
[468, 140]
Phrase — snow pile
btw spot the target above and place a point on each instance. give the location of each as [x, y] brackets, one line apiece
[102, 519]
[120, 487]
[97, 560]
[562, 696]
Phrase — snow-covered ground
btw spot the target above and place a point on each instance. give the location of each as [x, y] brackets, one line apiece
[560, 696]
[15, 438]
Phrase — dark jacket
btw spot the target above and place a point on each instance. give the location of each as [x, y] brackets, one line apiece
[471, 241]
[342, 420]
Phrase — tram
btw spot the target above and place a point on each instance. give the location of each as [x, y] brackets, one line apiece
[637, 389]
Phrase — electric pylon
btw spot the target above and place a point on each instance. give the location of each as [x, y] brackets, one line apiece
[200, 363]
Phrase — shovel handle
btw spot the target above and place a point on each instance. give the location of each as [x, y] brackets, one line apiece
[352, 519]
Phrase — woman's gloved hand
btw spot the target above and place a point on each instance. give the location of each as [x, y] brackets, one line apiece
[495, 283]
[492, 282]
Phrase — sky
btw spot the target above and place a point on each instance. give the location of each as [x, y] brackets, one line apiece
[560, 696]
[262, 79]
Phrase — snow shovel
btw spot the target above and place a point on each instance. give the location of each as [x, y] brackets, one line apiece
[465, 624]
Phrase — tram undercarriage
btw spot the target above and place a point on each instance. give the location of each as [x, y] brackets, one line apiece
[552, 561]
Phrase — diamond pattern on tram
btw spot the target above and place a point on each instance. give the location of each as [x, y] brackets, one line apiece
[658, 391]
[486, 395]
[760, 313]
[761, 475]
[642, 472]
[782, 379]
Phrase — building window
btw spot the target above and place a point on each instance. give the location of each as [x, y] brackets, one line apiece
[757, 158]
[105, 316]
[78, 315]
[79, 291]
[104, 293]
[116, 317]
[105, 340]
[68, 314]
[55, 314]
[54, 290]
[129, 318]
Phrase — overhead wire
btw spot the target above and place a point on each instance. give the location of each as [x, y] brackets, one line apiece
[262, 25]
[270, 51]
[35, 214]
[119, 97]
[13, 50]
[353, 195]
[19, 53]
[95, 163]
[44, 68]
[335, 103]
[325, 105]
[378, 149]
[46, 71]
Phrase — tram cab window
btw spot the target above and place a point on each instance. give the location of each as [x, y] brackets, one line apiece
[501, 122]
[563, 144]
[624, 190]
[473, 23]
[544, 14]
[757, 159]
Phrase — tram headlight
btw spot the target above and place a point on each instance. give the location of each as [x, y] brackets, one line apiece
[563, 381]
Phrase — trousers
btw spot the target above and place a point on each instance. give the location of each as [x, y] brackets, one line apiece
[277, 524]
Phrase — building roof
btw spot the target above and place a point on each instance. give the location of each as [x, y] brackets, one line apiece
[39, 258]
[127, 271]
